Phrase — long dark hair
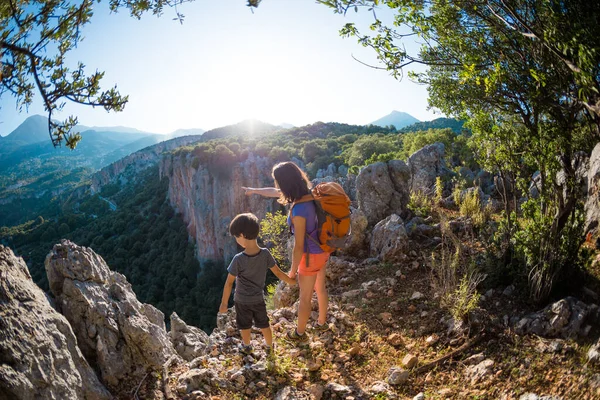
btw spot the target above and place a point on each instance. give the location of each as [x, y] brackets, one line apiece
[292, 182]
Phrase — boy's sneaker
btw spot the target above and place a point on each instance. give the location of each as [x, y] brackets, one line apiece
[296, 337]
[246, 349]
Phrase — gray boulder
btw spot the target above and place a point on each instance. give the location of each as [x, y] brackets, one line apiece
[564, 318]
[382, 189]
[189, 342]
[343, 170]
[485, 181]
[39, 353]
[120, 336]
[425, 165]
[467, 174]
[331, 170]
[389, 241]
[355, 243]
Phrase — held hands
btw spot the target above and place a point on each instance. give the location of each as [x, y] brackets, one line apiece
[223, 309]
[290, 281]
[292, 275]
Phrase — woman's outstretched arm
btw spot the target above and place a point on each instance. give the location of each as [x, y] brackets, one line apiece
[265, 192]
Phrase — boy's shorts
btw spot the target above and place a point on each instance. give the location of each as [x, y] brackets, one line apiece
[316, 262]
[245, 313]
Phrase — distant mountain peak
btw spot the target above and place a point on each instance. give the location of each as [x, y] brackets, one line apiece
[34, 129]
[398, 119]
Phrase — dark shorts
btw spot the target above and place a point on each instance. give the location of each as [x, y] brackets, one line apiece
[245, 313]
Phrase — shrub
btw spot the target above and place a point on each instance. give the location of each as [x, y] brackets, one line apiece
[455, 276]
[274, 233]
[470, 206]
[420, 204]
[543, 254]
[439, 190]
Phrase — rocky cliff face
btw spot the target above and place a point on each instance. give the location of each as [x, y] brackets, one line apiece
[124, 169]
[117, 334]
[209, 199]
[39, 356]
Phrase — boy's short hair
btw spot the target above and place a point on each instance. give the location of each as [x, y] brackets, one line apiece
[245, 224]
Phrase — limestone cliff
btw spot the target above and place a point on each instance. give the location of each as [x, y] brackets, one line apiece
[127, 167]
[208, 199]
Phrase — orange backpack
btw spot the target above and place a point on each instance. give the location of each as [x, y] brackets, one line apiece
[332, 207]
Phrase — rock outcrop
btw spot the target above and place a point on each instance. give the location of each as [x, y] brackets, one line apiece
[189, 342]
[356, 242]
[208, 200]
[382, 189]
[117, 334]
[38, 350]
[389, 241]
[425, 165]
[565, 318]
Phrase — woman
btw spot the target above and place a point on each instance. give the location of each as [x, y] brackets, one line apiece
[308, 259]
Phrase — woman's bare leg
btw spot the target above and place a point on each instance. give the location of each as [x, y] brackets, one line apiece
[321, 289]
[307, 284]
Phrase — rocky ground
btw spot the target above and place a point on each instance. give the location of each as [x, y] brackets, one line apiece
[387, 330]
[389, 337]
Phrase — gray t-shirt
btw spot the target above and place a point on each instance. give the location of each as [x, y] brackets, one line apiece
[250, 273]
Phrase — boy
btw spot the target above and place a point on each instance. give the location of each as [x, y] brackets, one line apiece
[249, 270]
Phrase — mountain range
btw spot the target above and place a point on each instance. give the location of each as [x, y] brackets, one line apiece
[29, 164]
[35, 129]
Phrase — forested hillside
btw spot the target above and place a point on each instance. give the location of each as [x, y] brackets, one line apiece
[142, 239]
[320, 144]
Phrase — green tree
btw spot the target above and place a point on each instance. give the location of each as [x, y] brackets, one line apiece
[525, 74]
[367, 146]
[63, 229]
[313, 149]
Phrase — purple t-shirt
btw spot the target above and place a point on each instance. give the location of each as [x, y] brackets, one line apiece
[307, 211]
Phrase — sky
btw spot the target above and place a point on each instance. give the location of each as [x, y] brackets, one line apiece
[283, 63]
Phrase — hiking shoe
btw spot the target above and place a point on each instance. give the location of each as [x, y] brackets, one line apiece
[246, 350]
[295, 336]
[320, 327]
